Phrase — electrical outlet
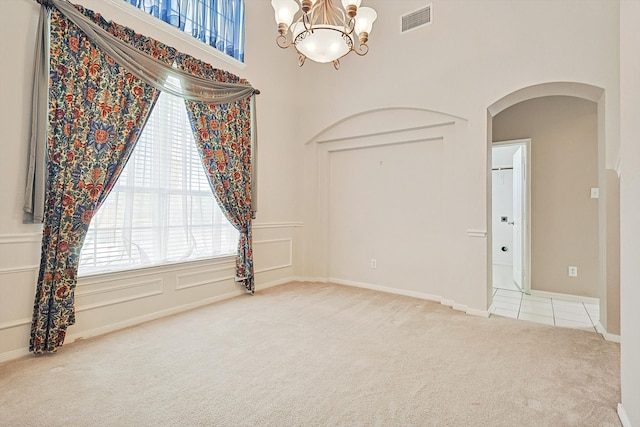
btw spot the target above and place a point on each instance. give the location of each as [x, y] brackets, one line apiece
[374, 264]
[573, 271]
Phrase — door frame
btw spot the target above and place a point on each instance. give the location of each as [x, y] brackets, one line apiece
[526, 232]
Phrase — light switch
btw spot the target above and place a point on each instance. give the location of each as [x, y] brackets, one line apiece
[595, 193]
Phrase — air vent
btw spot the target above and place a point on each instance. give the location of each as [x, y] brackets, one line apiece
[416, 19]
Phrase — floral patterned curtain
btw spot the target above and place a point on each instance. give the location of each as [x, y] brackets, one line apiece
[96, 112]
[223, 135]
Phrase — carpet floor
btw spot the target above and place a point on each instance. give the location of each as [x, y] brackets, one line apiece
[310, 354]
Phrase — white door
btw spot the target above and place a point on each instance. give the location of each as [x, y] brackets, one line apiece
[519, 217]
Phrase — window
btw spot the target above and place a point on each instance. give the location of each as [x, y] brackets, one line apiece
[161, 209]
[218, 23]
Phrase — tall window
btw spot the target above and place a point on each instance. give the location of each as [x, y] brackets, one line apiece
[162, 209]
[219, 23]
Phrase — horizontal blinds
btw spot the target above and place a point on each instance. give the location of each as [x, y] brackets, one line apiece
[162, 208]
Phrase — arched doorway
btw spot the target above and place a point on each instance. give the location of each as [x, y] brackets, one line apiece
[527, 106]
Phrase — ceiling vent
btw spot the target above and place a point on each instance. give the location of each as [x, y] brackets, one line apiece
[416, 19]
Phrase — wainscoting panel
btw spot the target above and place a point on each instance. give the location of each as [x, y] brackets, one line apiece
[109, 292]
[19, 252]
[205, 277]
[273, 254]
[115, 300]
[18, 287]
[15, 341]
[19, 257]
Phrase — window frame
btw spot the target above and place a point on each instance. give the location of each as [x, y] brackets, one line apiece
[171, 34]
[140, 189]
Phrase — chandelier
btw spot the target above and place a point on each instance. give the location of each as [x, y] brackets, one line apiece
[324, 32]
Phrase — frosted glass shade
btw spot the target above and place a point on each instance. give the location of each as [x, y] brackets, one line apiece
[285, 10]
[325, 44]
[365, 19]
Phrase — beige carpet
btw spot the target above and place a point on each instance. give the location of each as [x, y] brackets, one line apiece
[316, 355]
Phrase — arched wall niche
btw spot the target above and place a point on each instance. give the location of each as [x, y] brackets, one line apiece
[385, 208]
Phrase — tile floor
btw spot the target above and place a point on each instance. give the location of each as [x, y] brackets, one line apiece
[548, 311]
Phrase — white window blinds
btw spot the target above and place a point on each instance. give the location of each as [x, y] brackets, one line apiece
[162, 209]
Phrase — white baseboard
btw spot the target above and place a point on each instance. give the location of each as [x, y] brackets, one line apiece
[476, 312]
[385, 289]
[149, 317]
[565, 297]
[168, 312]
[624, 418]
[309, 279]
[413, 294]
[261, 286]
[14, 354]
[606, 335]
[459, 307]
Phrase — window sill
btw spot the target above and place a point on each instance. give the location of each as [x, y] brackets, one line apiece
[219, 261]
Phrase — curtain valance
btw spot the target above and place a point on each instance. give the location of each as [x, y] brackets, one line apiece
[149, 65]
[150, 70]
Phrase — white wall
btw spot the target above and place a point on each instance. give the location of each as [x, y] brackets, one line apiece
[630, 210]
[113, 301]
[474, 53]
[385, 200]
